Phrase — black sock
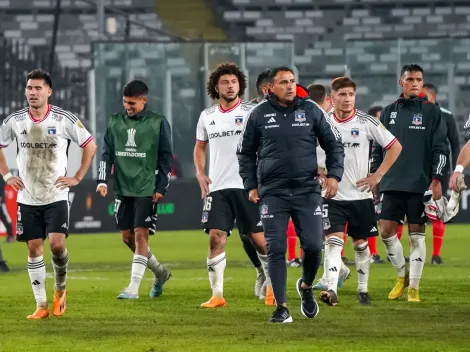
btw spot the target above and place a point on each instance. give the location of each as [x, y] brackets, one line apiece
[1, 256]
[250, 250]
[311, 263]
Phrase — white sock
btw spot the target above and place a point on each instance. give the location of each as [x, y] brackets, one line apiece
[155, 267]
[37, 276]
[139, 263]
[333, 261]
[395, 253]
[216, 268]
[325, 253]
[362, 258]
[417, 258]
[264, 264]
[60, 265]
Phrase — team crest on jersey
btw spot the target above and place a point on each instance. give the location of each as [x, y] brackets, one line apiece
[300, 116]
[205, 217]
[264, 209]
[355, 132]
[417, 119]
[51, 131]
[239, 120]
[19, 230]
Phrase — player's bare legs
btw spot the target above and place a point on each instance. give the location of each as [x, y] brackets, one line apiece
[362, 259]
[37, 276]
[60, 262]
[394, 249]
[417, 259]
[159, 271]
[216, 266]
[259, 242]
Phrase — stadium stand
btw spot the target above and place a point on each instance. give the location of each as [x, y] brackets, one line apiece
[359, 38]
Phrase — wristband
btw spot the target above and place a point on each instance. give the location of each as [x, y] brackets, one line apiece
[7, 177]
[459, 168]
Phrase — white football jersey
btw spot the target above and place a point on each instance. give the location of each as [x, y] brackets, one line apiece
[42, 151]
[222, 130]
[357, 132]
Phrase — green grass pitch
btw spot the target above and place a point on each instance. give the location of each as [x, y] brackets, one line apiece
[96, 321]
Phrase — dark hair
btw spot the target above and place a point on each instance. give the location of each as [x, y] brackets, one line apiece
[135, 88]
[273, 72]
[225, 69]
[373, 110]
[411, 68]
[430, 86]
[263, 78]
[40, 74]
[317, 92]
[342, 82]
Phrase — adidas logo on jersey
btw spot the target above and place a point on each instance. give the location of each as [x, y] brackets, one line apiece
[318, 211]
[374, 229]
[148, 219]
[212, 123]
[64, 225]
[272, 120]
[392, 122]
[259, 224]
[24, 132]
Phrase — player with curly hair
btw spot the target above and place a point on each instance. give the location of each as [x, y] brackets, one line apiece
[225, 199]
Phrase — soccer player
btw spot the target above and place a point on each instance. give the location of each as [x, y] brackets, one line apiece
[262, 83]
[260, 283]
[43, 133]
[352, 205]
[438, 227]
[138, 144]
[278, 164]
[225, 200]
[420, 128]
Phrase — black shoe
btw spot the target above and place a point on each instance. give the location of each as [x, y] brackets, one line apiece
[375, 259]
[348, 262]
[308, 305]
[4, 268]
[295, 263]
[363, 298]
[281, 315]
[436, 260]
[329, 297]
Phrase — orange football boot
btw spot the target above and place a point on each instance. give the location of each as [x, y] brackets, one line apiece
[214, 302]
[59, 305]
[40, 313]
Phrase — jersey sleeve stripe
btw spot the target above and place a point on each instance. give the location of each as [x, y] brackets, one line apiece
[89, 139]
[3, 146]
[201, 141]
[65, 113]
[15, 114]
[389, 145]
[369, 118]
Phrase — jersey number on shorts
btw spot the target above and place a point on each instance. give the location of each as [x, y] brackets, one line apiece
[18, 214]
[325, 210]
[207, 204]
